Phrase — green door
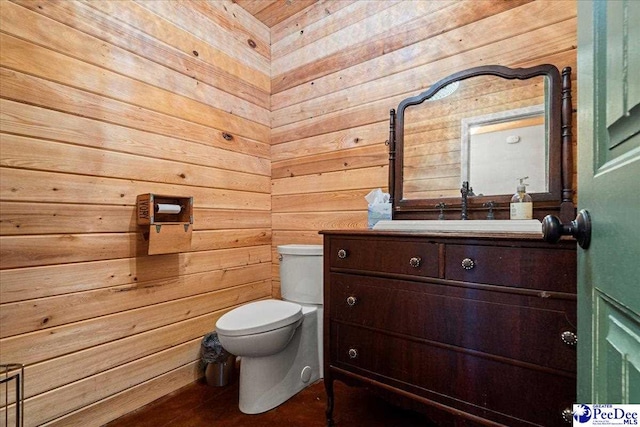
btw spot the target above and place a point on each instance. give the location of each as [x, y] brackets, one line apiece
[609, 188]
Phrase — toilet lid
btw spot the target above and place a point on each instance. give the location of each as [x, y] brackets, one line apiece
[259, 316]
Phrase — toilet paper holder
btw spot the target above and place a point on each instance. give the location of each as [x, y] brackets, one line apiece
[167, 222]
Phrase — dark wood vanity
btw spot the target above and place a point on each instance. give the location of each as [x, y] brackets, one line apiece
[478, 328]
[474, 328]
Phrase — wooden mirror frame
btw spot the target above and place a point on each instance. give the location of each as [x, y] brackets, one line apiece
[559, 198]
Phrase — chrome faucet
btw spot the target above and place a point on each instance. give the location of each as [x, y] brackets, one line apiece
[466, 191]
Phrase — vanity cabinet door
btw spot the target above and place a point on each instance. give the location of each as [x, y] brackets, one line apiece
[478, 384]
[545, 269]
[414, 258]
[518, 327]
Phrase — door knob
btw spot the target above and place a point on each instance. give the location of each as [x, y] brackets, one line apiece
[579, 228]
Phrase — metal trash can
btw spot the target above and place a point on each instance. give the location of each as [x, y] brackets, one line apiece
[219, 363]
[219, 374]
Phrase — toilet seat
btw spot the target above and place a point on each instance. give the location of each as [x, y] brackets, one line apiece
[258, 317]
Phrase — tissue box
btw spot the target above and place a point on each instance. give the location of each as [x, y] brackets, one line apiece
[378, 212]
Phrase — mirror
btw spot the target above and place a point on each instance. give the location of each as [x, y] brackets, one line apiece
[489, 126]
[493, 147]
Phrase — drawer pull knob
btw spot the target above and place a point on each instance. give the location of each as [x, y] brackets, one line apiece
[415, 262]
[351, 301]
[342, 253]
[569, 338]
[353, 353]
[567, 415]
[468, 264]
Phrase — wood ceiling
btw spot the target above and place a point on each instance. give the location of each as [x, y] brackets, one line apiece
[272, 12]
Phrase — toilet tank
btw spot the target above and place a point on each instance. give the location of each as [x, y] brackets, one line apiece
[301, 273]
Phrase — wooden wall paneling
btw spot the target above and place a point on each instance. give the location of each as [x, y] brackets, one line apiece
[370, 134]
[323, 201]
[37, 154]
[66, 40]
[44, 376]
[29, 251]
[128, 400]
[361, 115]
[276, 11]
[284, 237]
[40, 186]
[37, 282]
[203, 26]
[347, 46]
[160, 40]
[231, 219]
[33, 90]
[197, 59]
[321, 19]
[403, 24]
[332, 181]
[361, 157]
[232, 20]
[18, 218]
[449, 44]
[101, 102]
[255, 6]
[132, 398]
[53, 311]
[320, 220]
[63, 400]
[45, 63]
[48, 64]
[511, 51]
[57, 341]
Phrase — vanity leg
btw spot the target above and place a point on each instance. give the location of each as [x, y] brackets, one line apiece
[328, 386]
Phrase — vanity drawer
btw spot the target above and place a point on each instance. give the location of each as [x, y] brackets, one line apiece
[414, 258]
[517, 327]
[489, 387]
[546, 269]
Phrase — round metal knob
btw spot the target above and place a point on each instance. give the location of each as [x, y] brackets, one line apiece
[468, 263]
[579, 228]
[569, 338]
[353, 353]
[567, 415]
[415, 262]
[351, 301]
[342, 253]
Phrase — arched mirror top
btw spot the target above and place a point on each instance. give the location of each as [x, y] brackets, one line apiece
[484, 129]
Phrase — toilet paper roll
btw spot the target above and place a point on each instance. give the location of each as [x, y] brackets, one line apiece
[167, 208]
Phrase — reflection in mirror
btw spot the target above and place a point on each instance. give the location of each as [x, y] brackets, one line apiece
[500, 148]
[432, 159]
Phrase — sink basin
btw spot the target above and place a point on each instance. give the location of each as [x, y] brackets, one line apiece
[460, 226]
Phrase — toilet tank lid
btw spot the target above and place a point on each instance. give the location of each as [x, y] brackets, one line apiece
[300, 249]
[258, 316]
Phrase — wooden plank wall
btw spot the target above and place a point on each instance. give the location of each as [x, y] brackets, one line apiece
[337, 69]
[105, 100]
[102, 101]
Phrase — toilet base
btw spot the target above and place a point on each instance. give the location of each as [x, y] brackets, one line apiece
[266, 382]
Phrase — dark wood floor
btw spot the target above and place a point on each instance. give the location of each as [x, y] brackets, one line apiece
[199, 404]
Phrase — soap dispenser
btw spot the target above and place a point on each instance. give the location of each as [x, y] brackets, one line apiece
[521, 203]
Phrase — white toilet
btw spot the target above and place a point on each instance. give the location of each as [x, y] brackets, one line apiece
[279, 342]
